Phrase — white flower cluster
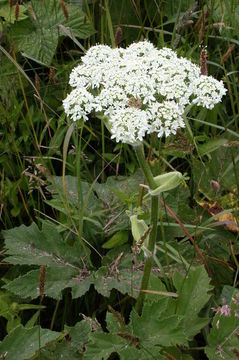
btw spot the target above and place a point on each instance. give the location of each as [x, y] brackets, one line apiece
[140, 89]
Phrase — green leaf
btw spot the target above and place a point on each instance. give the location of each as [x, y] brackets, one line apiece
[211, 146]
[223, 340]
[103, 345]
[80, 284]
[8, 13]
[32, 246]
[157, 327]
[38, 36]
[56, 280]
[125, 281]
[66, 200]
[23, 343]
[222, 167]
[70, 348]
[193, 296]
[79, 333]
[120, 238]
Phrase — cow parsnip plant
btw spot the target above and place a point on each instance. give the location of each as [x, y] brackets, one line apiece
[140, 90]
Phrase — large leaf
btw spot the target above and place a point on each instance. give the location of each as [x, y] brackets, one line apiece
[8, 13]
[125, 281]
[32, 246]
[38, 36]
[70, 348]
[223, 340]
[103, 345]
[193, 296]
[56, 280]
[158, 328]
[23, 343]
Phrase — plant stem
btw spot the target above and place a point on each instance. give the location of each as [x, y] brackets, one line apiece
[153, 221]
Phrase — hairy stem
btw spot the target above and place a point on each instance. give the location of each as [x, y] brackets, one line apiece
[153, 221]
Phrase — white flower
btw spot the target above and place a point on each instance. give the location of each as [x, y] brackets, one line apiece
[208, 91]
[129, 125]
[140, 89]
[166, 118]
[78, 104]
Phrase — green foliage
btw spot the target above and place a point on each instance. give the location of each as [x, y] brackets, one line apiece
[164, 322]
[72, 346]
[38, 35]
[193, 296]
[23, 343]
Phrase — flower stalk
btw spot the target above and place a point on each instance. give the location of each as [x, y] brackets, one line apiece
[153, 223]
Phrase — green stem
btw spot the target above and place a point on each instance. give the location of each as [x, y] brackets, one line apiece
[153, 221]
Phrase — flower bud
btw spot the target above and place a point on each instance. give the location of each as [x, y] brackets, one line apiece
[167, 182]
[138, 228]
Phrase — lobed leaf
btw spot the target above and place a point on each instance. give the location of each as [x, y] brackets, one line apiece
[23, 343]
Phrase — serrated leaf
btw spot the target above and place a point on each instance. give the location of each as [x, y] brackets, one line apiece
[32, 246]
[193, 295]
[103, 345]
[125, 282]
[156, 327]
[79, 333]
[114, 322]
[223, 340]
[80, 284]
[56, 281]
[23, 343]
[38, 36]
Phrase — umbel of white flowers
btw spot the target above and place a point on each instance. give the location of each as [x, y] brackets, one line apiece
[139, 89]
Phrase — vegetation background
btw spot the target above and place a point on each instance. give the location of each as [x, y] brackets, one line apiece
[69, 276]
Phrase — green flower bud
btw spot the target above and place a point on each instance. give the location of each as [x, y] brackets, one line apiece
[166, 182]
[139, 228]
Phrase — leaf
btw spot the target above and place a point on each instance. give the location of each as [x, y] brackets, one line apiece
[72, 346]
[155, 327]
[211, 146]
[69, 197]
[222, 167]
[116, 194]
[23, 343]
[32, 246]
[193, 296]
[56, 280]
[8, 13]
[120, 238]
[125, 282]
[223, 340]
[102, 345]
[80, 284]
[38, 36]
[79, 333]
